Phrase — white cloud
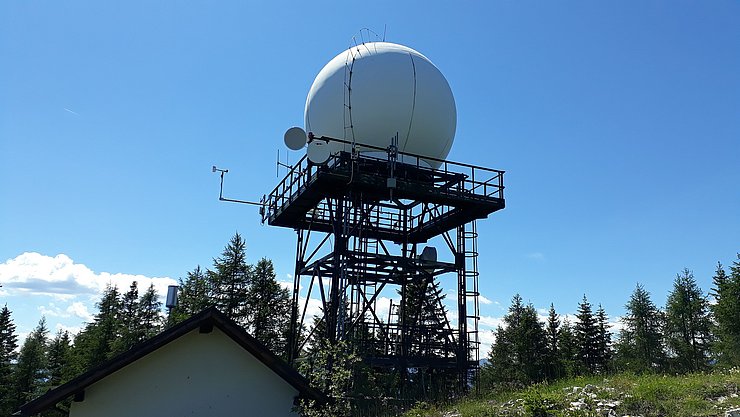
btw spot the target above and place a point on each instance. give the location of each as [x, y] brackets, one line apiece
[536, 256]
[490, 322]
[74, 288]
[80, 310]
[484, 300]
[72, 330]
[61, 278]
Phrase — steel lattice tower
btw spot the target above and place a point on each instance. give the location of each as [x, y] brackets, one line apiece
[361, 225]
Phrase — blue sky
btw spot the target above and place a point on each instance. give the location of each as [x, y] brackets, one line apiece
[618, 124]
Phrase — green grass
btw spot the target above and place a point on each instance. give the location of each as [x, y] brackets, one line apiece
[693, 395]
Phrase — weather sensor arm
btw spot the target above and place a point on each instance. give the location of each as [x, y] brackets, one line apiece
[231, 200]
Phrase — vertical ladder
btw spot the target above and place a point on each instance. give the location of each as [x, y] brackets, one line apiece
[471, 274]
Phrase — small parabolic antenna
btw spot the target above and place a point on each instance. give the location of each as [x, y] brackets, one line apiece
[318, 151]
[295, 138]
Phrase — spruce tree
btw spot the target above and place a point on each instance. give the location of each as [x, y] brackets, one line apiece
[688, 324]
[552, 328]
[231, 280]
[30, 376]
[568, 359]
[604, 341]
[640, 346]
[150, 314]
[8, 344]
[194, 296]
[587, 337]
[426, 317]
[727, 314]
[269, 307]
[518, 354]
[58, 359]
[94, 344]
[129, 321]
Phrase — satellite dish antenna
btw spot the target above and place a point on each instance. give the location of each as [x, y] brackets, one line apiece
[295, 138]
[318, 152]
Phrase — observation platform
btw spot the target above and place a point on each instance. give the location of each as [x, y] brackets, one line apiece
[392, 200]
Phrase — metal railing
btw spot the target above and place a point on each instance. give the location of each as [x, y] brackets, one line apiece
[450, 178]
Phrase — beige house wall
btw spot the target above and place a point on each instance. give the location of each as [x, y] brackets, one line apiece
[195, 375]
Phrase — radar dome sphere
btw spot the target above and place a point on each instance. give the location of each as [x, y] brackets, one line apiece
[371, 92]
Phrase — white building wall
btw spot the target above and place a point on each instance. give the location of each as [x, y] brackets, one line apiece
[195, 375]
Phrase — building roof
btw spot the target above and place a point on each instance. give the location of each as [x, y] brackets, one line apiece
[204, 321]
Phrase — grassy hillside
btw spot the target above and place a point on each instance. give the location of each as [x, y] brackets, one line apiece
[618, 395]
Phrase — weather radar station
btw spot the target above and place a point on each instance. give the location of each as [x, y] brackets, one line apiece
[386, 226]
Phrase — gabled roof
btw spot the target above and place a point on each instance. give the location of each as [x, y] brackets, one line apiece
[205, 321]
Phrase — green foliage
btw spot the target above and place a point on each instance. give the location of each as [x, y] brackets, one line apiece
[268, 308]
[688, 325]
[727, 314]
[567, 350]
[554, 368]
[587, 337]
[31, 374]
[640, 345]
[698, 394]
[58, 358]
[194, 296]
[604, 342]
[329, 368]
[8, 344]
[230, 280]
[517, 356]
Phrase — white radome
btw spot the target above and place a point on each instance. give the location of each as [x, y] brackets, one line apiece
[371, 92]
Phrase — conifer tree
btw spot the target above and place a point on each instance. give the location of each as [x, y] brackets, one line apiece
[426, 317]
[604, 341]
[231, 280]
[727, 314]
[94, 344]
[269, 307]
[149, 314]
[688, 324]
[31, 374]
[587, 337]
[568, 349]
[195, 295]
[552, 328]
[517, 355]
[640, 346]
[58, 359]
[8, 344]
[129, 321]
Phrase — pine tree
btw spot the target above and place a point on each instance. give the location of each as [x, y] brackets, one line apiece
[150, 309]
[129, 321]
[94, 344]
[587, 337]
[727, 314]
[231, 280]
[31, 375]
[269, 308]
[640, 345]
[517, 355]
[568, 359]
[604, 354]
[195, 295]
[688, 324]
[8, 344]
[58, 359]
[552, 328]
[424, 314]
